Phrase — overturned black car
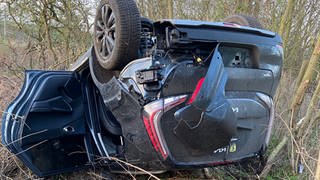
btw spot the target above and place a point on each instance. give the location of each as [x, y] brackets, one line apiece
[172, 94]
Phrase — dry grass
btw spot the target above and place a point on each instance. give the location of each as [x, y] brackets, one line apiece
[10, 167]
[282, 163]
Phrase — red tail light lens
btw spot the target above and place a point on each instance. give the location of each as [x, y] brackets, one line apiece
[152, 116]
[196, 91]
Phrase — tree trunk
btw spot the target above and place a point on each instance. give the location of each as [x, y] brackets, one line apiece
[273, 156]
[299, 95]
[286, 20]
[308, 121]
[257, 7]
[317, 177]
[170, 9]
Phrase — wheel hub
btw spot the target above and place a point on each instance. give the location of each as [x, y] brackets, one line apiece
[105, 31]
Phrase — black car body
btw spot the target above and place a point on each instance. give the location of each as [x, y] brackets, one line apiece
[202, 98]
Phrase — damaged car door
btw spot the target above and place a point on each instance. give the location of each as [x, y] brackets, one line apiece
[45, 125]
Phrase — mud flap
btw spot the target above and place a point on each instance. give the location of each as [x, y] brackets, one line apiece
[208, 122]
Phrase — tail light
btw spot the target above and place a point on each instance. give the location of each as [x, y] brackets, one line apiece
[152, 116]
[196, 91]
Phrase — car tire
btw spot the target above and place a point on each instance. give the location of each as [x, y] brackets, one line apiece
[243, 20]
[146, 23]
[116, 33]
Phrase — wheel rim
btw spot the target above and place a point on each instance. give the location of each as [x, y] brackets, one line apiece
[105, 28]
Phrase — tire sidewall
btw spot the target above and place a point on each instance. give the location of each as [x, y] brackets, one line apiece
[244, 20]
[127, 34]
[105, 61]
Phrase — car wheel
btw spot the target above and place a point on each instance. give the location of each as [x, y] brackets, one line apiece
[116, 33]
[244, 21]
[146, 23]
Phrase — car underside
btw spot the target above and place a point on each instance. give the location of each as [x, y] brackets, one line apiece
[197, 94]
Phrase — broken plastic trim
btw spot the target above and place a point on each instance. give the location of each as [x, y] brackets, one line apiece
[268, 100]
[152, 116]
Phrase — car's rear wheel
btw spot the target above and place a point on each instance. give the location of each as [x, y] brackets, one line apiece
[116, 33]
[243, 20]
